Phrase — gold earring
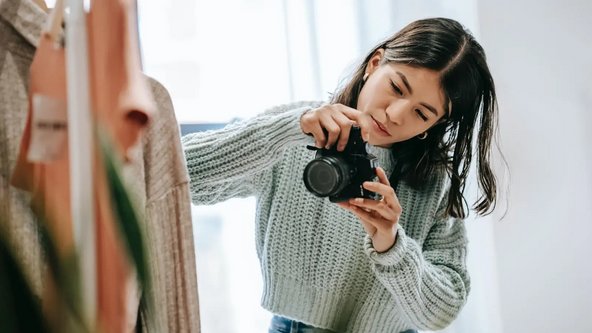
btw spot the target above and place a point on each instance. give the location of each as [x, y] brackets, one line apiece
[422, 136]
[365, 77]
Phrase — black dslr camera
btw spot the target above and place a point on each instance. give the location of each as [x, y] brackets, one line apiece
[340, 175]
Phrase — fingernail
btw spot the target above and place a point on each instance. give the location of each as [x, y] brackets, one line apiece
[360, 200]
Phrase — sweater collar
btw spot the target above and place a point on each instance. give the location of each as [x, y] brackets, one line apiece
[25, 17]
[385, 158]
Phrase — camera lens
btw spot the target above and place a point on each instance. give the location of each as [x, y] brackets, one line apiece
[326, 176]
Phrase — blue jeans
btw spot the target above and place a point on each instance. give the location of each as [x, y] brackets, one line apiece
[285, 325]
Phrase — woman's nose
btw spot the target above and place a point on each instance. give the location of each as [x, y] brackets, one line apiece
[395, 112]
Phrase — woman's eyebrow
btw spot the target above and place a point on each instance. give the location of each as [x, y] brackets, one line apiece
[404, 78]
[426, 105]
[431, 108]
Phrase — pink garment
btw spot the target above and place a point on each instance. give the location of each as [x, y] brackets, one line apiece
[120, 94]
[45, 173]
[123, 105]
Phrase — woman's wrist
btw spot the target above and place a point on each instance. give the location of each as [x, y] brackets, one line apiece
[382, 242]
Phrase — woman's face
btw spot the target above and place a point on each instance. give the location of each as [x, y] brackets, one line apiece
[400, 101]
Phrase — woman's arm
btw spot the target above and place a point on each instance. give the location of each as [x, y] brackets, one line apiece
[233, 161]
[429, 283]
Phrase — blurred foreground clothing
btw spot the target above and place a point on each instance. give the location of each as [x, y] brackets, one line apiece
[156, 175]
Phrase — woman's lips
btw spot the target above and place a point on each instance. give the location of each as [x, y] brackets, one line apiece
[379, 128]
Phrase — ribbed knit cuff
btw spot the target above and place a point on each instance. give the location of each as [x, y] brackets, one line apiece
[391, 257]
[294, 133]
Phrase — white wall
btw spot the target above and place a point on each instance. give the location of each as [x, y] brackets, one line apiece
[541, 57]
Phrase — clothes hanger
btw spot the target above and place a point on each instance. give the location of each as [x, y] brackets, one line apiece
[53, 26]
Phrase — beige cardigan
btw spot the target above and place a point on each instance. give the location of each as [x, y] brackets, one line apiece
[157, 176]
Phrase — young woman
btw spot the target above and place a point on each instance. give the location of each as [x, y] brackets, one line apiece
[365, 265]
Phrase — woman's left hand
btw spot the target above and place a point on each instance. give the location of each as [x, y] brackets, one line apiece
[379, 217]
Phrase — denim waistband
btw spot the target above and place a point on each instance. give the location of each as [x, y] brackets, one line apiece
[285, 325]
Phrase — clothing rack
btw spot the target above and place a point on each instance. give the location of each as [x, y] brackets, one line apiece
[81, 156]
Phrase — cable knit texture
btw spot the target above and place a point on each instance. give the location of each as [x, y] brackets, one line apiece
[318, 265]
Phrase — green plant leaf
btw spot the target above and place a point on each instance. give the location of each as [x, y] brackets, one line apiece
[125, 215]
[20, 310]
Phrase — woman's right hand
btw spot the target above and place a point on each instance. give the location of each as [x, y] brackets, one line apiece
[330, 124]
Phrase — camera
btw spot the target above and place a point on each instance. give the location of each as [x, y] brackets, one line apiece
[340, 175]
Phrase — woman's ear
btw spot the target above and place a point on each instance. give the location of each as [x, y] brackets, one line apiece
[374, 61]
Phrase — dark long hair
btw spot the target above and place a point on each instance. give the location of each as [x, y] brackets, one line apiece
[445, 46]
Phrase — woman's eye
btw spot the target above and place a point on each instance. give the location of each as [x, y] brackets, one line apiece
[421, 115]
[396, 88]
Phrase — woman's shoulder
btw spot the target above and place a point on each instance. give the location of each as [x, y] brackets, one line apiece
[280, 108]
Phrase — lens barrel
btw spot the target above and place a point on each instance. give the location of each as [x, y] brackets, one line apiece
[327, 175]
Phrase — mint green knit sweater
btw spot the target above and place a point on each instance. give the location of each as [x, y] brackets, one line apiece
[318, 264]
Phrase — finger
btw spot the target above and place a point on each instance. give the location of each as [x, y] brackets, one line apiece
[364, 127]
[344, 205]
[332, 129]
[382, 189]
[311, 125]
[368, 226]
[346, 124]
[387, 192]
[379, 207]
[359, 119]
[351, 113]
[382, 176]
[365, 135]
[373, 222]
[317, 132]
[367, 217]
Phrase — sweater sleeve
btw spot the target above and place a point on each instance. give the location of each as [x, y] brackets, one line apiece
[234, 161]
[429, 284]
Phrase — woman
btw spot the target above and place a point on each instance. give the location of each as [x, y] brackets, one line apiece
[365, 265]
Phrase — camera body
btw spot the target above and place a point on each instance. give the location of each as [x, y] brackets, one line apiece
[340, 175]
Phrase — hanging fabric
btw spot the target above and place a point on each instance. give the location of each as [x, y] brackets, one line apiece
[123, 105]
[42, 166]
[156, 171]
[43, 169]
[121, 98]
[20, 30]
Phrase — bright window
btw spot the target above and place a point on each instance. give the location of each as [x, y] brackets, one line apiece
[228, 59]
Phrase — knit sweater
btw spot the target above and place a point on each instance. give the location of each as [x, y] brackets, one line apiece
[318, 264]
